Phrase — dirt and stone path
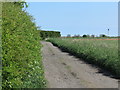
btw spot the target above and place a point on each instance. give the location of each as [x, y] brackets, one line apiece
[65, 71]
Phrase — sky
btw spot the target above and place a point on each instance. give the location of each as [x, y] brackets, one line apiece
[76, 17]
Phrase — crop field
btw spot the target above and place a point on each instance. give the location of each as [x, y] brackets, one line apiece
[101, 52]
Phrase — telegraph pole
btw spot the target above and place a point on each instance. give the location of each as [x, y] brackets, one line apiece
[108, 31]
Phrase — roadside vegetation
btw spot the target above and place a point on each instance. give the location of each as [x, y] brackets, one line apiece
[21, 56]
[103, 53]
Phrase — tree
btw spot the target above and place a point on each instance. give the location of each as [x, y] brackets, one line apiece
[68, 35]
[103, 35]
[76, 36]
[84, 35]
[93, 36]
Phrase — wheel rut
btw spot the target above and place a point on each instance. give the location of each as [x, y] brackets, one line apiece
[65, 71]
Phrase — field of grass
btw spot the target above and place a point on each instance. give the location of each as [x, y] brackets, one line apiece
[103, 53]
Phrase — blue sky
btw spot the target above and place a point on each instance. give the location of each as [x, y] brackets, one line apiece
[76, 17]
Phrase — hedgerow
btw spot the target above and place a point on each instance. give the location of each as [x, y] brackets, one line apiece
[0, 46]
[48, 34]
[21, 57]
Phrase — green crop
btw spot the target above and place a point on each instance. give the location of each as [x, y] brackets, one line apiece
[99, 52]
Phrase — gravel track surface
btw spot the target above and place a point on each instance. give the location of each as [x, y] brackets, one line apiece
[63, 70]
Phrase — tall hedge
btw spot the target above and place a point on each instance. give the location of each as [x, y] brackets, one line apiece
[47, 34]
[21, 61]
[0, 45]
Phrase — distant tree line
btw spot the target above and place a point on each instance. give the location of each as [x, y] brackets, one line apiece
[86, 35]
[47, 34]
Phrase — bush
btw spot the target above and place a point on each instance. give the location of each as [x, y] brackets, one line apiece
[22, 65]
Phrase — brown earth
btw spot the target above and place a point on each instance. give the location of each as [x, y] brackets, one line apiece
[65, 71]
